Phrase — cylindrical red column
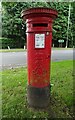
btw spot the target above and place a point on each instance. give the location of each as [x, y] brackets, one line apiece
[39, 38]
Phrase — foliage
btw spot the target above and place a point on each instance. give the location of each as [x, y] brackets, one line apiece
[73, 22]
[14, 27]
[8, 42]
[12, 50]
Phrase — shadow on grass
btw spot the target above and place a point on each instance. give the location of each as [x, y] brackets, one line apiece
[55, 109]
[14, 88]
[21, 110]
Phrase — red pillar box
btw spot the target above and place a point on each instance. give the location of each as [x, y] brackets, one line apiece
[39, 39]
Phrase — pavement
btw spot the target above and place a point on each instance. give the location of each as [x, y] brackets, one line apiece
[17, 59]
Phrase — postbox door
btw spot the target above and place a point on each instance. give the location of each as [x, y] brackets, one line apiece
[39, 45]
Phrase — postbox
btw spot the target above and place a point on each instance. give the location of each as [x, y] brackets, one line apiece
[39, 40]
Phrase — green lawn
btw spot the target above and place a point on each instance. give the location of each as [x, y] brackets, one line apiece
[14, 85]
[55, 48]
[22, 50]
[12, 50]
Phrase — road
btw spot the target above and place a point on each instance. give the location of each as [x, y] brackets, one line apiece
[17, 59]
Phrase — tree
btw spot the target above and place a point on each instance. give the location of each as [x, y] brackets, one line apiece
[12, 24]
[73, 22]
[14, 27]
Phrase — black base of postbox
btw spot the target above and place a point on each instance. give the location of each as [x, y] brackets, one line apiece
[38, 97]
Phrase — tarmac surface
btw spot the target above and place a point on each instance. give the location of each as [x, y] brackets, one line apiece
[16, 59]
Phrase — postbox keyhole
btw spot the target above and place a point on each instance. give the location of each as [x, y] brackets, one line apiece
[40, 25]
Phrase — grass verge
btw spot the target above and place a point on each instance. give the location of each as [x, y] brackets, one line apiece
[12, 50]
[62, 48]
[14, 85]
[22, 50]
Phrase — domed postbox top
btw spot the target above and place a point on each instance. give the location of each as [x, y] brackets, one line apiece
[39, 12]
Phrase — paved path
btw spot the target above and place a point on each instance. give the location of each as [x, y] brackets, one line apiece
[16, 59]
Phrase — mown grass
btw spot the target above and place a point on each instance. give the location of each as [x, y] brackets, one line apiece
[14, 100]
[12, 50]
[22, 50]
[63, 83]
[59, 48]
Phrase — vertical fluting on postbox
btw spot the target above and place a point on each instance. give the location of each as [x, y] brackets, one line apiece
[39, 38]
